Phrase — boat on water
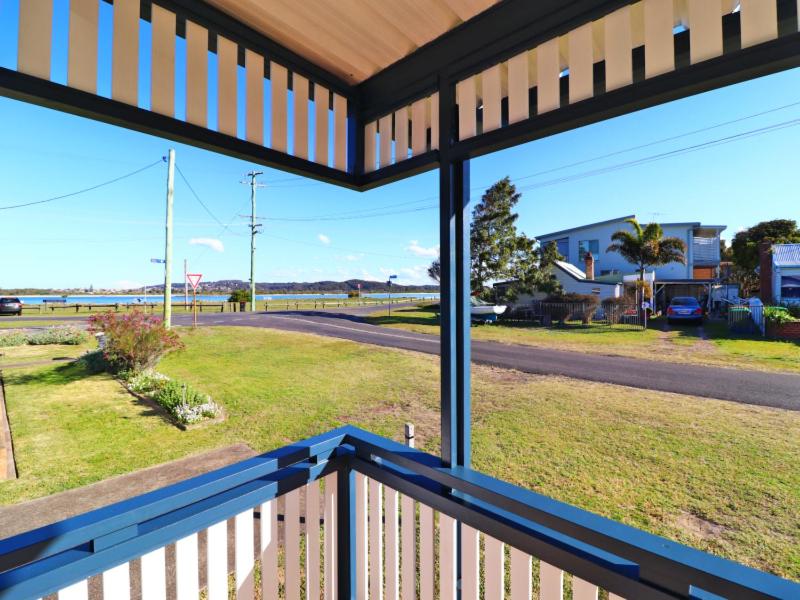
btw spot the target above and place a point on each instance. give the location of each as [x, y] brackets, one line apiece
[485, 312]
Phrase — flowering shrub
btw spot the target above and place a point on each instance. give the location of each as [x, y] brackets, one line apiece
[66, 334]
[12, 338]
[184, 403]
[133, 341]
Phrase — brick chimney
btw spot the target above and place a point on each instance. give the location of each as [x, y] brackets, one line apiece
[765, 271]
[589, 265]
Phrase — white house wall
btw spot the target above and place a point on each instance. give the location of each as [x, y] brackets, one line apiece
[613, 260]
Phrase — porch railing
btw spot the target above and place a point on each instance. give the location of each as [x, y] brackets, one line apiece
[362, 517]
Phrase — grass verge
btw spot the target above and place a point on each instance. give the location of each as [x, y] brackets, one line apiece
[680, 343]
[717, 475]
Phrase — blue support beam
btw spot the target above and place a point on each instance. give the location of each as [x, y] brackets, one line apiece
[454, 288]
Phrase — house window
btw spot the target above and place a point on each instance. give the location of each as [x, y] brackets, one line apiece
[790, 287]
[563, 248]
[585, 246]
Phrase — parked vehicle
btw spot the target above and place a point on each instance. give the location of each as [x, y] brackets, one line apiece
[10, 306]
[684, 308]
[484, 312]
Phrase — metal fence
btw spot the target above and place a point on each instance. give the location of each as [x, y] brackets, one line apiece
[746, 319]
[568, 314]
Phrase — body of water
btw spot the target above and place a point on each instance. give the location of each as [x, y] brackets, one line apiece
[177, 298]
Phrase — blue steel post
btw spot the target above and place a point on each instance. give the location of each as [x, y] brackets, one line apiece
[346, 533]
[454, 221]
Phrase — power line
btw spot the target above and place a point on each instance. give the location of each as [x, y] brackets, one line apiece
[84, 190]
[197, 197]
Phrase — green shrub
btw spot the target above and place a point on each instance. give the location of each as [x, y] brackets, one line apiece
[94, 362]
[239, 296]
[794, 309]
[180, 400]
[63, 334]
[778, 315]
[12, 338]
[134, 341]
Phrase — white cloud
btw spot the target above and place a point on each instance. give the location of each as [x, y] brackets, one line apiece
[416, 275]
[213, 243]
[351, 257]
[324, 238]
[418, 250]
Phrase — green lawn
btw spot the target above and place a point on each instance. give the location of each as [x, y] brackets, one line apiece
[717, 475]
[681, 344]
[20, 323]
[26, 353]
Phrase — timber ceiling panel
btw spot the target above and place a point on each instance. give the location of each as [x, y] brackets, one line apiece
[353, 39]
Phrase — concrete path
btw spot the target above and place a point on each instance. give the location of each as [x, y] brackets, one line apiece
[778, 390]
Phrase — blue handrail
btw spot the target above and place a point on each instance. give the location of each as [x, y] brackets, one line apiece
[615, 556]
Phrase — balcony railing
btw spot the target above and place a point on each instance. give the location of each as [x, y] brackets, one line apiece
[379, 520]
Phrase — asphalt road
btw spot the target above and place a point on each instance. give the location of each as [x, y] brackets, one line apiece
[778, 390]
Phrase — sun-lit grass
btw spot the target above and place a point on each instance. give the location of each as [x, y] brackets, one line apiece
[717, 475]
[680, 343]
[20, 323]
[22, 354]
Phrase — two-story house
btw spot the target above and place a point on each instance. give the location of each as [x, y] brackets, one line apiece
[696, 278]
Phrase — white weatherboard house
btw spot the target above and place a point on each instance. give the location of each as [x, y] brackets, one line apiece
[786, 273]
[695, 278]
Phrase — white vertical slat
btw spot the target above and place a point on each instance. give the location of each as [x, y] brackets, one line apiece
[705, 30]
[401, 134]
[162, 61]
[339, 132]
[494, 565]
[269, 550]
[217, 561]
[312, 541]
[392, 545]
[518, 105]
[581, 63]
[291, 528]
[154, 575]
[618, 48]
[551, 582]
[362, 582]
[227, 65]
[470, 563]
[254, 95]
[435, 121]
[408, 535]
[76, 591]
[125, 52]
[187, 582]
[278, 77]
[244, 550]
[300, 103]
[375, 538]
[447, 557]
[385, 134]
[491, 94]
[330, 537]
[321, 113]
[426, 558]
[196, 74]
[521, 577]
[759, 21]
[466, 96]
[583, 590]
[659, 41]
[370, 131]
[548, 91]
[419, 141]
[35, 37]
[83, 35]
[117, 582]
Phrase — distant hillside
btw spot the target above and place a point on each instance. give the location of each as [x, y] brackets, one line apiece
[225, 286]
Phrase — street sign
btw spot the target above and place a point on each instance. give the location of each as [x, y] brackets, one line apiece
[194, 279]
[158, 260]
[392, 276]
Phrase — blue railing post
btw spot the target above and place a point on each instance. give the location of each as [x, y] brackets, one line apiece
[346, 532]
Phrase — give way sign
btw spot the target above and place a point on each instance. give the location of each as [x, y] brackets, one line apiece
[194, 279]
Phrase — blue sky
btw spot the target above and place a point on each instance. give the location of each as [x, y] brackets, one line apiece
[106, 237]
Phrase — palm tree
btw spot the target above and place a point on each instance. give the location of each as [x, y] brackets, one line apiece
[647, 247]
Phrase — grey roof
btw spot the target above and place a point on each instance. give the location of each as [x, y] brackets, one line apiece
[571, 229]
[786, 255]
